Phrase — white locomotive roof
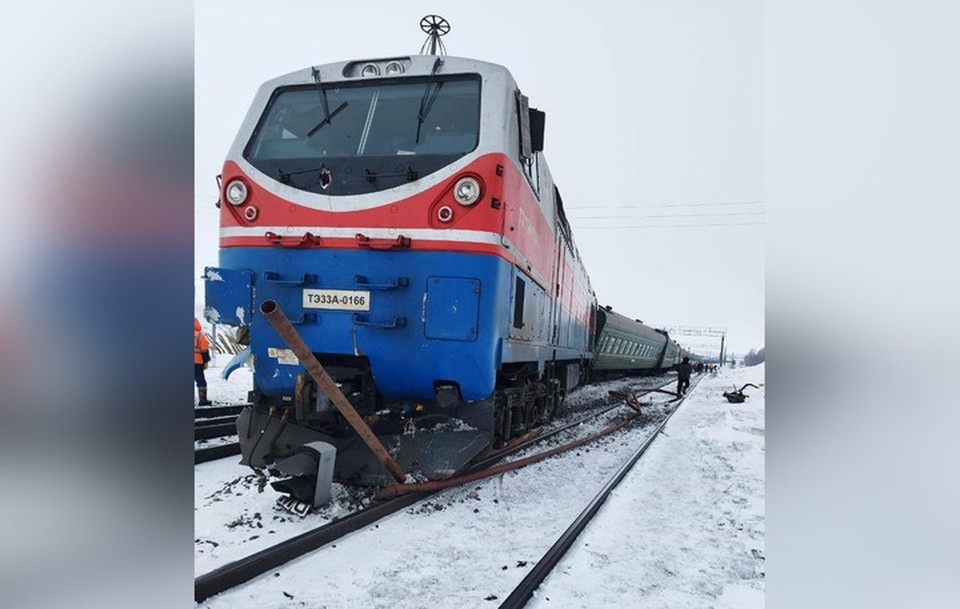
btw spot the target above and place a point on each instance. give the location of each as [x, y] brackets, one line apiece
[414, 65]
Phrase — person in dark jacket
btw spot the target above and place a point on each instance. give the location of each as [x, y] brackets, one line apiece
[683, 376]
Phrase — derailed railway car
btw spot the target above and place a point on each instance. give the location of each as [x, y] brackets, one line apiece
[627, 346]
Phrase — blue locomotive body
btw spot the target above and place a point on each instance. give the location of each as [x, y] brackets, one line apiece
[430, 317]
[448, 291]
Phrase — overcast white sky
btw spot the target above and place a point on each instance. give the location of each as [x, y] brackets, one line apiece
[654, 128]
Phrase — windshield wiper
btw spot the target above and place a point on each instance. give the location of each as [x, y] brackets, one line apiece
[323, 177]
[372, 176]
[327, 115]
[321, 91]
[426, 104]
[326, 119]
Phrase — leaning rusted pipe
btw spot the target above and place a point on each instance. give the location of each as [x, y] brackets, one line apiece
[274, 314]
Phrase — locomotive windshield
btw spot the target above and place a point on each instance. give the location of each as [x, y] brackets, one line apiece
[355, 138]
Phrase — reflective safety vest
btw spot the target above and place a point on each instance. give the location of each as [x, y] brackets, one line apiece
[200, 344]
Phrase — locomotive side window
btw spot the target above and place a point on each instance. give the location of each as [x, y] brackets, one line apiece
[529, 159]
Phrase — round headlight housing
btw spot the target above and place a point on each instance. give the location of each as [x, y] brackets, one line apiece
[370, 69]
[236, 192]
[467, 191]
[394, 67]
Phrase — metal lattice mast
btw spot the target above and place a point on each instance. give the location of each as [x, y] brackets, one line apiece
[702, 332]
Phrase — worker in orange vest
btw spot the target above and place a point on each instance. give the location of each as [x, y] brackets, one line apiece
[201, 355]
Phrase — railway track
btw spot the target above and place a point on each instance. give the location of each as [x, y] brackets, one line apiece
[210, 412]
[215, 421]
[243, 570]
[522, 593]
[212, 422]
[212, 453]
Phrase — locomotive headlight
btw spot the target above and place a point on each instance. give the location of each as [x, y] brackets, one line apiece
[236, 192]
[467, 191]
[370, 69]
[394, 67]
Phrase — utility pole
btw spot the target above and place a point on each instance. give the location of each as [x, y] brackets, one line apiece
[722, 354]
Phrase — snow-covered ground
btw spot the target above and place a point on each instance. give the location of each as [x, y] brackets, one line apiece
[685, 529]
[233, 518]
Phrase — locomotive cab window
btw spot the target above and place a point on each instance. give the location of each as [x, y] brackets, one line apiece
[359, 130]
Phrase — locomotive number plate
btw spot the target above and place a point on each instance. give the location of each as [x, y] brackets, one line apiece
[343, 300]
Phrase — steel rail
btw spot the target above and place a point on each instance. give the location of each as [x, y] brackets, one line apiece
[214, 431]
[524, 591]
[206, 412]
[243, 570]
[479, 474]
[214, 421]
[496, 456]
[485, 468]
[212, 453]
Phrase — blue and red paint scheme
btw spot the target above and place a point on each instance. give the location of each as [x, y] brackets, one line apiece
[472, 301]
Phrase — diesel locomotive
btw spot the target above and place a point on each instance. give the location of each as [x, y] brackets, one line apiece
[401, 212]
